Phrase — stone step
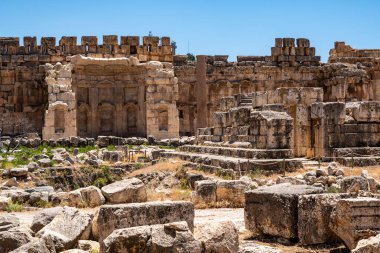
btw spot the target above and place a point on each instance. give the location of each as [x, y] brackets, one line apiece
[238, 165]
[358, 161]
[239, 152]
[245, 104]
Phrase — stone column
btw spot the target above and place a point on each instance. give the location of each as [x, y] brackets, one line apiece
[375, 95]
[93, 97]
[201, 92]
[118, 120]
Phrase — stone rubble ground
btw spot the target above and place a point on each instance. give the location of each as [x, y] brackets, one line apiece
[316, 207]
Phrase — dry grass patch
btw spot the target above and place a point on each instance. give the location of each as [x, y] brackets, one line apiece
[163, 165]
[169, 194]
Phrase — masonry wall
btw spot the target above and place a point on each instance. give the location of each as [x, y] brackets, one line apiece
[292, 63]
[23, 91]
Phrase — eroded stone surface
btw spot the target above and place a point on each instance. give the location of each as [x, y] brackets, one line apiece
[273, 210]
[356, 219]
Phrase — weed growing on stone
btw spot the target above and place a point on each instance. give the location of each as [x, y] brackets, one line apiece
[14, 207]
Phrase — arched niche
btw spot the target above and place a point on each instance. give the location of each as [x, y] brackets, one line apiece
[106, 119]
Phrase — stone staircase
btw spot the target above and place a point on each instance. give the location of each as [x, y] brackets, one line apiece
[240, 161]
[246, 100]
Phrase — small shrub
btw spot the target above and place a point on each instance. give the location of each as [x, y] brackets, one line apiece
[184, 185]
[138, 165]
[42, 204]
[14, 207]
[111, 148]
[333, 189]
[100, 182]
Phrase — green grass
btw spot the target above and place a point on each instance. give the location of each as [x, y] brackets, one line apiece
[42, 204]
[94, 251]
[111, 148]
[84, 149]
[24, 154]
[167, 147]
[14, 207]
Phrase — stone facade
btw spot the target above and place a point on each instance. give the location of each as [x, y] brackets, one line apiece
[287, 100]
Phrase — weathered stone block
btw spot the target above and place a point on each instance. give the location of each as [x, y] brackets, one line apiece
[172, 237]
[205, 191]
[356, 219]
[232, 191]
[125, 191]
[314, 217]
[273, 210]
[111, 217]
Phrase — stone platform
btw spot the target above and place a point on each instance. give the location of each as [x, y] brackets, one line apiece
[238, 165]
[239, 152]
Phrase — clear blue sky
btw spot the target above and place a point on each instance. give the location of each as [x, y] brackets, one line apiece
[235, 27]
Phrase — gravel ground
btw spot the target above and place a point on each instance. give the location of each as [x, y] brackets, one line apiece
[201, 215]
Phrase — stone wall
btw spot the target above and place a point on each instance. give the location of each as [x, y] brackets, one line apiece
[340, 125]
[289, 65]
[23, 91]
[60, 116]
[123, 97]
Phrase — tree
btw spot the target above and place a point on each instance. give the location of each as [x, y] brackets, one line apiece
[190, 57]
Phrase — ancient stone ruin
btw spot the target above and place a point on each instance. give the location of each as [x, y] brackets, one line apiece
[172, 154]
[288, 100]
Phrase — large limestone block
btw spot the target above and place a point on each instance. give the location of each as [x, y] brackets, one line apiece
[43, 218]
[92, 196]
[36, 245]
[370, 245]
[14, 238]
[111, 217]
[314, 217]
[125, 191]
[273, 210]
[67, 228]
[252, 247]
[232, 191]
[205, 191]
[222, 237]
[8, 221]
[172, 237]
[356, 219]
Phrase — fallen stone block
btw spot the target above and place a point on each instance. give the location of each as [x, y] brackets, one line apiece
[251, 247]
[8, 221]
[14, 238]
[356, 184]
[172, 237]
[43, 218]
[205, 191]
[314, 217]
[67, 228]
[220, 236]
[88, 245]
[370, 245]
[19, 172]
[125, 191]
[92, 196]
[231, 191]
[356, 219]
[273, 210]
[36, 245]
[111, 217]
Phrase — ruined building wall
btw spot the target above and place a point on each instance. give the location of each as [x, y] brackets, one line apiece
[292, 64]
[89, 97]
[23, 91]
[365, 59]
